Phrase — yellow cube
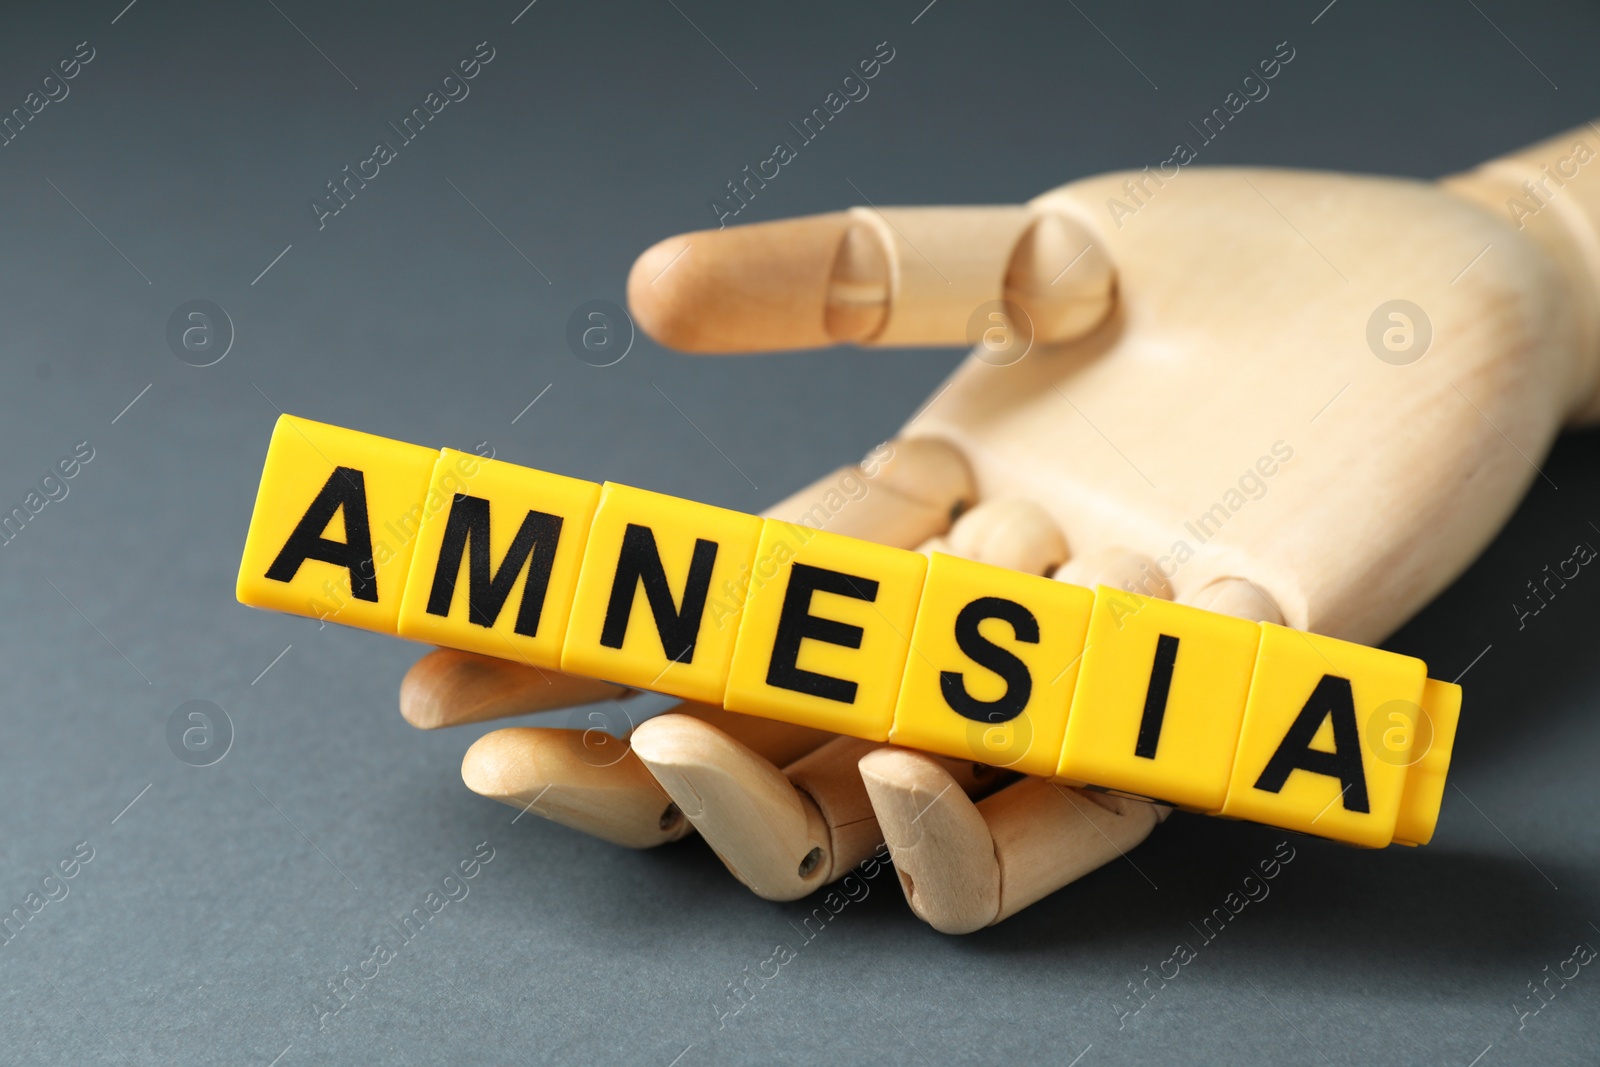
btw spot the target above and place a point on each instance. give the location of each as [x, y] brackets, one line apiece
[335, 524]
[1160, 696]
[993, 662]
[658, 597]
[1313, 755]
[1433, 739]
[496, 567]
[826, 627]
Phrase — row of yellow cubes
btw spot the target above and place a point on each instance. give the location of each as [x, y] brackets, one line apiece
[1109, 689]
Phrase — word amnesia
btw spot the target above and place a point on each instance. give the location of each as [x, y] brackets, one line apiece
[1100, 688]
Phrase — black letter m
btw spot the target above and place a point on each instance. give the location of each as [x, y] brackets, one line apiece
[467, 531]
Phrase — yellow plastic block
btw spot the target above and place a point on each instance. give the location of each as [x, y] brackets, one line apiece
[496, 567]
[1313, 755]
[826, 627]
[1433, 738]
[1160, 697]
[658, 597]
[994, 659]
[334, 525]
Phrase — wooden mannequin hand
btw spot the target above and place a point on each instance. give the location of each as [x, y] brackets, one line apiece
[1298, 397]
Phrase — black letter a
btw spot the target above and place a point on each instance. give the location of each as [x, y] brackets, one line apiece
[1331, 697]
[345, 488]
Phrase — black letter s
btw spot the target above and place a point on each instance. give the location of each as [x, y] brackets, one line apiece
[987, 654]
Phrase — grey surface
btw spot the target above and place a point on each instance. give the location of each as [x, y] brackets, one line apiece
[218, 908]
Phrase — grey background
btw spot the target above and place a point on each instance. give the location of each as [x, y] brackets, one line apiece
[220, 906]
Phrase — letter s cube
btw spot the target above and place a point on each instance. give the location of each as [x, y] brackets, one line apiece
[335, 524]
[994, 659]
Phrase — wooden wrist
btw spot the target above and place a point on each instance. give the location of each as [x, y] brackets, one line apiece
[1551, 192]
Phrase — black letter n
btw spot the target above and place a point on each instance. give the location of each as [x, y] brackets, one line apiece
[467, 531]
[639, 563]
[345, 488]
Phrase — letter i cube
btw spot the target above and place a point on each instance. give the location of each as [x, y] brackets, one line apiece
[1160, 696]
